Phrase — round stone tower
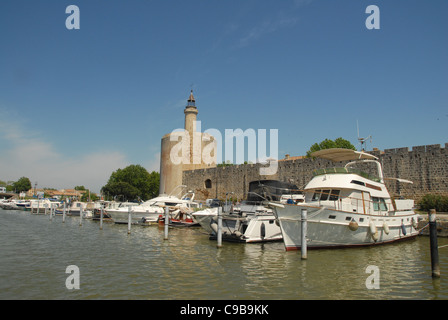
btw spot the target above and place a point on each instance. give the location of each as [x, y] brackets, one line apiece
[187, 147]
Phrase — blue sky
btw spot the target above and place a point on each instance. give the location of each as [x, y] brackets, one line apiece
[76, 105]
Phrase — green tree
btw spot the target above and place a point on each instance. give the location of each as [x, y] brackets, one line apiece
[120, 189]
[86, 195]
[328, 144]
[23, 184]
[133, 182]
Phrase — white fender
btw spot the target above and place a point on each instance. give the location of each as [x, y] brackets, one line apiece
[414, 223]
[386, 228]
[214, 227]
[373, 231]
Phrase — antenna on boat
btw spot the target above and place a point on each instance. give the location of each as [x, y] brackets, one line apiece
[362, 141]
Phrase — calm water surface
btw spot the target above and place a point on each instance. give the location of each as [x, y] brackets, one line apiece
[35, 253]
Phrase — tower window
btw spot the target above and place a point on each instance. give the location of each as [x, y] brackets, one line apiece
[208, 184]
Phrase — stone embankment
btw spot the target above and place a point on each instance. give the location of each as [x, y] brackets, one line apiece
[442, 224]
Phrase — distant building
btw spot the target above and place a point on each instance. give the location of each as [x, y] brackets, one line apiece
[71, 193]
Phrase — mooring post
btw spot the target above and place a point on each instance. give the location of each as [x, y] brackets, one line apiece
[219, 232]
[101, 218]
[63, 212]
[38, 206]
[435, 267]
[51, 212]
[167, 221]
[46, 207]
[303, 247]
[80, 214]
[129, 220]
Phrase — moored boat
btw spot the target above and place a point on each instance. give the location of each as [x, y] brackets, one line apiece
[250, 221]
[180, 217]
[149, 211]
[38, 206]
[347, 207]
[74, 209]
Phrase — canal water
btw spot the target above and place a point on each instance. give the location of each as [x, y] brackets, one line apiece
[35, 253]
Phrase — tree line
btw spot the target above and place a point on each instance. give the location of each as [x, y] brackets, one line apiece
[133, 183]
[21, 185]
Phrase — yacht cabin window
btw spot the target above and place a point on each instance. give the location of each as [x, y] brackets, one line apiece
[316, 195]
[379, 204]
[334, 195]
[323, 195]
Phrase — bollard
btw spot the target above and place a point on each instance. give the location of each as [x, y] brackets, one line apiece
[435, 267]
[219, 232]
[63, 213]
[167, 221]
[101, 219]
[129, 220]
[80, 215]
[51, 212]
[303, 247]
[46, 208]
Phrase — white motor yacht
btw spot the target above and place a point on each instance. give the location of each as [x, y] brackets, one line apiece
[347, 207]
[149, 211]
[41, 205]
[14, 204]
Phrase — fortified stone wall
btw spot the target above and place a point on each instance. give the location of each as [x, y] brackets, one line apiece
[426, 166]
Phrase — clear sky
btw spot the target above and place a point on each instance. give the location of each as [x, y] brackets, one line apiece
[75, 105]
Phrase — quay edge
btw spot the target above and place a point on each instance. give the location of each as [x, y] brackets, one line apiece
[442, 224]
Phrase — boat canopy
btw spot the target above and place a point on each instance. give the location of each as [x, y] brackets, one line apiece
[340, 154]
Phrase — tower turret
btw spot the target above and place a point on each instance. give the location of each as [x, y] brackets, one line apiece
[191, 113]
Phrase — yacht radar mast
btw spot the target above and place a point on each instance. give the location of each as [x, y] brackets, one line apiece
[362, 141]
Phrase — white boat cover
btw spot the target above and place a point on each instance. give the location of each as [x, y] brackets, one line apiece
[339, 154]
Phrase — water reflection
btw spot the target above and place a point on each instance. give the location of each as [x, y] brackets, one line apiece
[115, 265]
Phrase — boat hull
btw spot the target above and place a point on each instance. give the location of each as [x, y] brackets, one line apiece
[329, 228]
[250, 229]
[122, 216]
[205, 218]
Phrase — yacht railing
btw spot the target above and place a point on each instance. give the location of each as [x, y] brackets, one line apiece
[341, 170]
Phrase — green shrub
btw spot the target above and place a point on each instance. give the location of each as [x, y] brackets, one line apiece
[434, 201]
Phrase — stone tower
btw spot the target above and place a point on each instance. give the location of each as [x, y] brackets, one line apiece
[183, 150]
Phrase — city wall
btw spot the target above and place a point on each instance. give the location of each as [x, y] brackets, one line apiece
[426, 166]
